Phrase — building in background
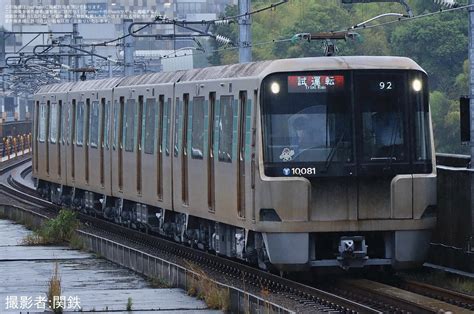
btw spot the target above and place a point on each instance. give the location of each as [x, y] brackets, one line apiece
[99, 21]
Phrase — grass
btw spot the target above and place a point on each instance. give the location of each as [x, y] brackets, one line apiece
[77, 243]
[129, 304]
[55, 231]
[54, 290]
[158, 283]
[204, 288]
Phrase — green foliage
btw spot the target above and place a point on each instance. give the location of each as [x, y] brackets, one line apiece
[129, 304]
[55, 231]
[438, 43]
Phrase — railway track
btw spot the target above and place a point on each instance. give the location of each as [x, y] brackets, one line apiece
[304, 298]
[448, 296]
[344, 297]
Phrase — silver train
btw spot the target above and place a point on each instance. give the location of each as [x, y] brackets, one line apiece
[290, 164]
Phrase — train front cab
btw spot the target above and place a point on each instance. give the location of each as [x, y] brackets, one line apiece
[345, 200]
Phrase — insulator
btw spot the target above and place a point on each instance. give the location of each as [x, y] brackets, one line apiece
[446, 3]
[222, 22]
[223, 40]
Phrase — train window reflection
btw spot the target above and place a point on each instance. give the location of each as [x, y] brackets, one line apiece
[382, 115]
[53, 124]
[129, 125]
[42, 122]
[150, 125]
[80, 123]
[226, 130]
[197, 140]
[94, 124]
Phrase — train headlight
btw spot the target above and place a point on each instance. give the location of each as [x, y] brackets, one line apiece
[275, 87]
[417, 85]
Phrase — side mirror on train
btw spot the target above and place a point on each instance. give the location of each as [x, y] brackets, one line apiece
[465, 119]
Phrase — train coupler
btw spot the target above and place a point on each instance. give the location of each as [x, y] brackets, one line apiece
[352, 252]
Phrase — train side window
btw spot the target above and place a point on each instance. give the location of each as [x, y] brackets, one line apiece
[94, 124]
[129, 125]
[80, 123]
[167, 124]
[226, 128]
[42, 122]
[107, 123]
[53, 122]
[150, 125]
[176, 127]
[197, 137]
[116, 124]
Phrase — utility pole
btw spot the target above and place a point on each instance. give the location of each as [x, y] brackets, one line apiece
[2, 58]
[471, 77]
[77, 43]
[245, 33]
[65, 74]
[128, 49]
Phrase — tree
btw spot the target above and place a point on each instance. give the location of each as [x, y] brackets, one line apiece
[438, 43]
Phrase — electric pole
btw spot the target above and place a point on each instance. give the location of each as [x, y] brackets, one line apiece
[128, 49]
[471, 77]
[2, 57]
[245, 33]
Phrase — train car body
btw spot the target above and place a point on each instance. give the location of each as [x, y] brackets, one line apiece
[293, 163]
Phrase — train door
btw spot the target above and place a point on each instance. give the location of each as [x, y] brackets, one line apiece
[151, 159]
[225, 152]
[41, 139]
[383, 144]
[195, 160]
[94, 151]
[131, 148]
[210, 153]
[241, 148]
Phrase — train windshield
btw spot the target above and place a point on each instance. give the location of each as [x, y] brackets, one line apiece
[308, 119]
[312, 122]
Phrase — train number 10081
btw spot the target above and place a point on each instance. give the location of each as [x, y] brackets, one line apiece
[303, 171]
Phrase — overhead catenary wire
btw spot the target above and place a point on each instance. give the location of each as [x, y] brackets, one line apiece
[360, 27]
[215, 21]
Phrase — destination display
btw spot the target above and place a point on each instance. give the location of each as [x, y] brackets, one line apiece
[315, 83]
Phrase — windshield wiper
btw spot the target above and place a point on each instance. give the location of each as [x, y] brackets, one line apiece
[332, 153]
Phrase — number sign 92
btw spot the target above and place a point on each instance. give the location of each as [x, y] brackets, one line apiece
[385, 85]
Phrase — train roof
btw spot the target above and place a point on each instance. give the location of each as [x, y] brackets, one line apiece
[249, 70]
[103, 84]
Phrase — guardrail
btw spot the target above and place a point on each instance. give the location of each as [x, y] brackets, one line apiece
[15, 146]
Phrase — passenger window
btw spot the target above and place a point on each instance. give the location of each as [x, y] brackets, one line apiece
[226, 128]
[42, 122]
[150, 125]
[80, 123]
[53, 124]
[197, 138]
[116, 123]
[129, 125]
[94, 124]
[167, 125]
[107, 124]
[176, 127]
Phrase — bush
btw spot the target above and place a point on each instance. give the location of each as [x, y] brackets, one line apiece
[55, 231]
